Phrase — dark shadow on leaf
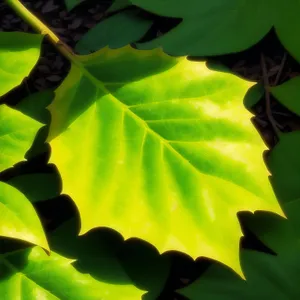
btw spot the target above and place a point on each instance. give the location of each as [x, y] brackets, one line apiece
[54, 212]
[161, 25]
[250, 241]
[103, 253]
[184, 270]
[13, 257]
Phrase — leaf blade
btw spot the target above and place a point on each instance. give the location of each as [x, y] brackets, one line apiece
[19, 52]
[134, 137]
[18, 217]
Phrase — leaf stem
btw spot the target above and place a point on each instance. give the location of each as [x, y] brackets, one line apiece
[41, 28]
[267, 95]
[280, 69]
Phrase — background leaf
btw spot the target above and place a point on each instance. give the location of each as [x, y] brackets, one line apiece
[288, 26]
[116, 31]
[118, 5]
[267, 276]
[288, 94]
[284, 163]
[210, 27]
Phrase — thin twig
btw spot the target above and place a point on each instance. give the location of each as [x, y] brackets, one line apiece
[41, 28]
[279, 73]
[267, 95]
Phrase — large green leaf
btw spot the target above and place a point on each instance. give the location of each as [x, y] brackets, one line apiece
[224, 26]
[106, 257]
[18, 218]
[19, 52]
[166, 147]
[31, 274]
[117, 31]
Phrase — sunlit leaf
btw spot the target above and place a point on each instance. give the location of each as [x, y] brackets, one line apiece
[166, 147]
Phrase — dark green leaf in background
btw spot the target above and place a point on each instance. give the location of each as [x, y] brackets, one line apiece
[115, 32]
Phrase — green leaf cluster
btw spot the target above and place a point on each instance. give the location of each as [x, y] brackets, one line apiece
[150, 146]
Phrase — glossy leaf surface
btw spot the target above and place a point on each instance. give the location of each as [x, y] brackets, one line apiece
[165, 147]
[53, 277]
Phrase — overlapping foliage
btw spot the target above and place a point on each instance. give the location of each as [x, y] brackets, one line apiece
[155, 147]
